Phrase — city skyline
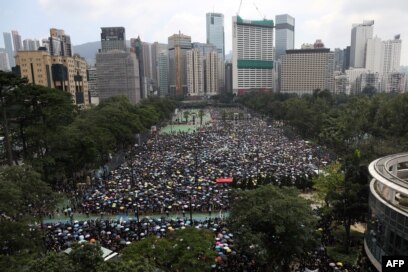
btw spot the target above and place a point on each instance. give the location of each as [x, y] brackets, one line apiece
[156, 20]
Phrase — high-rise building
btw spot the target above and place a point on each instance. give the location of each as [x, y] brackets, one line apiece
[338, 59]
[392, 55]
[16, 41]
[163, 73]
[60, 72]
[118, 75]
[156, 49]
[4, 61]
[113, 38]
[195, 73]
[215, 32]
[211, 73]
[354, 77]
[216, 37]
[395, 82]
[228, 77]
[370, 79]
[31, 45]
[59, 43]
[285, 34]
[137, 47]
[346, 62]
[374, 59]
[360, 33]
[341, 83]
[178, 45]
[9, 48]
[92, 85]
[305, 70]
[253, 54]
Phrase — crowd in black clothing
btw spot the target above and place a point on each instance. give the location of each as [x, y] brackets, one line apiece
[171, 171]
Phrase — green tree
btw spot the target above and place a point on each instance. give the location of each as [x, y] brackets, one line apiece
[273, 225]
[52, 262]
[9, 82]
[186, 114]
[201, 115]
[329, 182]
[182, 250]
[86, 257]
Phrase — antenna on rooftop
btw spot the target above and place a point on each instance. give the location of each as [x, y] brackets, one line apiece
[263, 16]
[239, 8]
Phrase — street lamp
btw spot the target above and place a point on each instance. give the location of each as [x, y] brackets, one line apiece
[195, 179]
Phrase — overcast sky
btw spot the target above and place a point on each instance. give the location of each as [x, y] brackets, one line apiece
[155, 20]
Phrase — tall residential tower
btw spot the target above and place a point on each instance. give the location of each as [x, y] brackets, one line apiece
[360, 33]
[253, 53]
[9, 48]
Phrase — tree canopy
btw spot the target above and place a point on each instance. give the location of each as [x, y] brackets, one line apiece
[274, 226]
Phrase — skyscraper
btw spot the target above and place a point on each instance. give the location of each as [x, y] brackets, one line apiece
[137, 47]
[59, 43]
[113, 38]
[392, 55]
[178, 45]
[253, 53]
[211, 73]
[117, 69]
[118, 75]
[156, 49]
[374, 58]
[360, 33]
[16, 41]
[163, 73]
[285, 34]
[215, 32]
[9, 48]
[195, 73]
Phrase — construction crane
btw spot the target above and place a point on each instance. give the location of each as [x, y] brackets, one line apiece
[239, 8]
[263, 16]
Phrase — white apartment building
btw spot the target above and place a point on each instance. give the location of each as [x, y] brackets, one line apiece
[253, 55]
[195, 75]
[360, 33]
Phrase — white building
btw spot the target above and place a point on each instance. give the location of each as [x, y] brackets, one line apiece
[4, 61]
[253, 55]
[163, 73]
[31, 45]
[285, 34]
[360, 33]
[392, 55]
[354, 77]
[195, 75]
[341, 83]
[374, 59]
[211, 73]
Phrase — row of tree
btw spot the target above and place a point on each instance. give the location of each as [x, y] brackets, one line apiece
[42, 127]
[375, 124]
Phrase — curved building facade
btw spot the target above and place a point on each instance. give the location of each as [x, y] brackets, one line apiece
[387, 228]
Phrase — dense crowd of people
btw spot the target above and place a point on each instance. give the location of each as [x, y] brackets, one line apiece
[173, 173]
[170, 171]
